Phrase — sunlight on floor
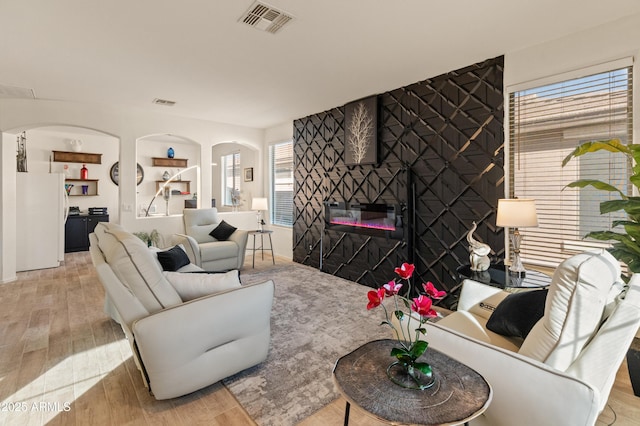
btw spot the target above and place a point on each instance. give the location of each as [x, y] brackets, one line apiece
[61, 385]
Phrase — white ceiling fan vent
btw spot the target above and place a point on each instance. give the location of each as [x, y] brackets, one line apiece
[15, 92]
[163, 102]
[266, 18]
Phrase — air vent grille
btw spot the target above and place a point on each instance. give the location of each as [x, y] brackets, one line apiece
[164, 102]
[15, 92]
[265, 18]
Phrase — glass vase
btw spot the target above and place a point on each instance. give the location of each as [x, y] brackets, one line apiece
[409, 377]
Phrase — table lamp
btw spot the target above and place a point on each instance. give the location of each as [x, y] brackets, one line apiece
[516, 213]
[260, 204]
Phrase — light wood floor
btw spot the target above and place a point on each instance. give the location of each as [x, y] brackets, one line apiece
[63, 361]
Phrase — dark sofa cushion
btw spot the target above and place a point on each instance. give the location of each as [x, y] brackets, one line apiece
[516, 315]
[223, 231]
[173, 259]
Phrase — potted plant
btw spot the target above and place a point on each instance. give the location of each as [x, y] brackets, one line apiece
[626, 244]
[150, 238]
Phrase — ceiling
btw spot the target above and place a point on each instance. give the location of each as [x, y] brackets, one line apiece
[197, 53]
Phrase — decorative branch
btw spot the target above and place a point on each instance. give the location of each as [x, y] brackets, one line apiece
[361, 128]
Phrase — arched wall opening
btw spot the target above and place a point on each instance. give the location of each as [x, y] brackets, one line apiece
[158, 165]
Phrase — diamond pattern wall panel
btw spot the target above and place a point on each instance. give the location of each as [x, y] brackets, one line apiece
[440, 146]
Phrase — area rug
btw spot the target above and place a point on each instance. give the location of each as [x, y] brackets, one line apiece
[316, 319]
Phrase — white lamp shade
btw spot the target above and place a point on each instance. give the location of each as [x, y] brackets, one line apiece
[517, 212]
[259, 204]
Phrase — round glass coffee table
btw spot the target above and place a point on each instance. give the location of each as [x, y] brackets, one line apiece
[458, 395]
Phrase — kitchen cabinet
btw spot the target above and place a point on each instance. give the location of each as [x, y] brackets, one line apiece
[77, 230]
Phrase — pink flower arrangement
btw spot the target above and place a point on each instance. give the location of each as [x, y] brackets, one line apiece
[411, 348]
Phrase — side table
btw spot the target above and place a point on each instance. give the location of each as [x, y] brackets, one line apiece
[270, 248]
[498, 276]
[459, 394]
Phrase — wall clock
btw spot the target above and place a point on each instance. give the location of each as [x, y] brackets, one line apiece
[114, 173]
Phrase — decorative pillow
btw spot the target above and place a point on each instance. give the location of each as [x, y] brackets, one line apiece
[518, 313]
[223, 231]
[173, 259]
[192, 286]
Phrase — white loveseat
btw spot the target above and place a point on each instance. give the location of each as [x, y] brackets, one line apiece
[563, 371]
[186, 330]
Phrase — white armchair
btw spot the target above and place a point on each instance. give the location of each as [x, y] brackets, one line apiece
[183, 335]
[204, 250]
[563, 371]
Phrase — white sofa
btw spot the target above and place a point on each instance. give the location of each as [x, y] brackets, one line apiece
[204, 250]
[563, 371]
[186, 330]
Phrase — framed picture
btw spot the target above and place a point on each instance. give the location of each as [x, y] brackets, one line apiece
[248, 174]
[361, 131]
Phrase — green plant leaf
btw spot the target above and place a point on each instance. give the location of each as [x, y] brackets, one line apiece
[606, 236]
[418, 348]
[597, 184]
[630, 205]
[424, 368]
[399, 314]
[421, 330]
[611, 145]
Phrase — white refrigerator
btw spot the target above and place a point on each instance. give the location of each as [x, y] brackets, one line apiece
[41, 212]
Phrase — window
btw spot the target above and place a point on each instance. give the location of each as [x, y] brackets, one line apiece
[281, 176]
[546, 123]
[231, 179]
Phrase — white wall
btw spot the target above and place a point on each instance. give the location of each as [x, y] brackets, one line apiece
[125, 124]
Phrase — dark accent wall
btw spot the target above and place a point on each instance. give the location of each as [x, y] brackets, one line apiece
[440, 157]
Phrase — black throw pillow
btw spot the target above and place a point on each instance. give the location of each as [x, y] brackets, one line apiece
[223, 231]
[518, 313]
[173, 259]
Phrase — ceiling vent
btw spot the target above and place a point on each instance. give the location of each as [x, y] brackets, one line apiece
[164, 102]
[266, 18]
[15, 92]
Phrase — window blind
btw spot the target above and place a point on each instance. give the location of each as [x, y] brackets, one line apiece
[546, 123]
[281, 177]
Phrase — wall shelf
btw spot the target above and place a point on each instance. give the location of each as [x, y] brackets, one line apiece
[183, 185]
[76, 191]
[77, 157]
[169, 162]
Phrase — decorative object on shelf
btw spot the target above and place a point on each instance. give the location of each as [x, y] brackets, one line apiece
[361, 131]
[166, 194]
[166, 175]
[21, 157]
[75, 145]
[164, 187]
[85, 189]
[407, 371]
[248, 174]
[479, 257]
[260, 204]
[516, 213]
[170, 153]
[114, 173]
[68, 187]
[67, 174]
[84, 172]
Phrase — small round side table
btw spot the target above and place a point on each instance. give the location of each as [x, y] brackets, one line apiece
[459, 394]
[261, 248]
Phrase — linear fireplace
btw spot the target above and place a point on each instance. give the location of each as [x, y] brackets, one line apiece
[378, 220]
